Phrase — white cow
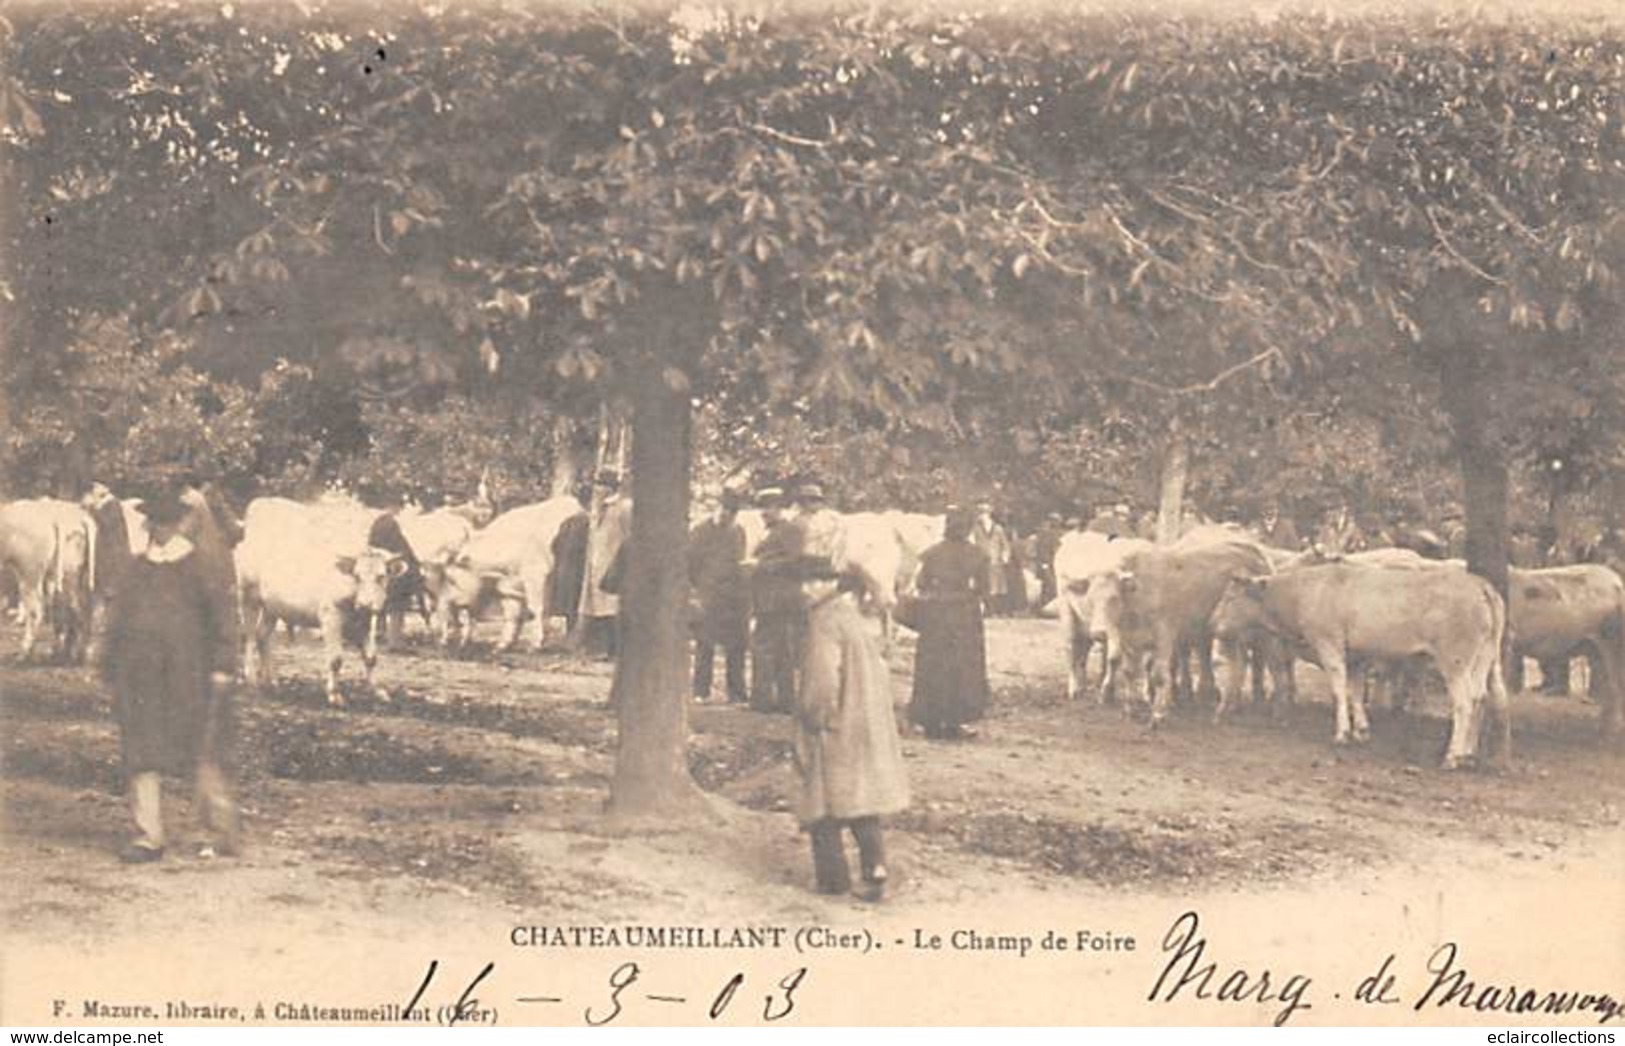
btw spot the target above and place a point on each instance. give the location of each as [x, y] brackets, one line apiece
[882, 548]
[311, 565]
[435, 537]
[47, 546]
[1080, 558]
[511, 560]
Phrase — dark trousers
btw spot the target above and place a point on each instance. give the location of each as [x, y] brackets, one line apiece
[705, 655]
[601, 636]
[773, 663]
[829, 852]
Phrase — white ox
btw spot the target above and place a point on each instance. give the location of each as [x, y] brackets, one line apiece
[311, 565]
[882, 548]
[48, 546]
[511, 560]
[1080, 558]
[436, 539]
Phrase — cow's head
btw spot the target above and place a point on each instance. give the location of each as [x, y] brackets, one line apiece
[373, 571]
[1102, 605]
[1241, 606]
[456, 582]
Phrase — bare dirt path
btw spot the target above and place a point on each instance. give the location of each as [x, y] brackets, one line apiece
[471, 801]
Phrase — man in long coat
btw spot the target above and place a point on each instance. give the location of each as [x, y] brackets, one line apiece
[716, 573]
[847, 749]
[777, 606]
[170, 651]
[611, 526]
[569, 549]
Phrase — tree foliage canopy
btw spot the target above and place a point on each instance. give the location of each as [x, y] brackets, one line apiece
[896, 218]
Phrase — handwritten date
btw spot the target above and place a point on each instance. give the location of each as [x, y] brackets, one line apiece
[623, 988]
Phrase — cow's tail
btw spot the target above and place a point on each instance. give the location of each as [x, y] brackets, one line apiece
[54, 579]
[1492, 677]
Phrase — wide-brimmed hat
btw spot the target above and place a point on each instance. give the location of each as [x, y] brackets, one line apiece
[809, 492]
[164, 507]
[769, 497]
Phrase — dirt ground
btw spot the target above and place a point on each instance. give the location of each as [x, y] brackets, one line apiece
[474, 798]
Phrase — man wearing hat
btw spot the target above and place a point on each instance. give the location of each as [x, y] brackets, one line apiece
[716, 572]
[611, 526]
[989, 535]
[1116, 521]
[1277, 528]
[847, 750]
[1044, 547]
[821, 531]
[169, 657]
[776, 603]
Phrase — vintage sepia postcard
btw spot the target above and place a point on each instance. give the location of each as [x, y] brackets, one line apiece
[1009, 513]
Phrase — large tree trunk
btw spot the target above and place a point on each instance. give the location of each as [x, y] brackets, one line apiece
[651, 686]
[1171, 503]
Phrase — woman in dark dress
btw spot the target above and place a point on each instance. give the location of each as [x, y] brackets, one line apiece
[170, 652]
[950, 662]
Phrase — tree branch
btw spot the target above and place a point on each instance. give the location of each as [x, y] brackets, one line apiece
[1128, 234]
[1450, 248]
[378, 231]
[796, 139]
[1505, 212]
[1044, 253]
[1205, 386]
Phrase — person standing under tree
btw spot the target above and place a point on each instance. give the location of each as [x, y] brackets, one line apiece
[569, 549]
[989, 536]
[611, 526]
[1049, 539]
[776, 604]
[822, 533]
[950, 661]
[847, 751]
[170, 655]
[716, 571]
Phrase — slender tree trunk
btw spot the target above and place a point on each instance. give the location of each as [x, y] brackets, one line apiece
[1483, 463]
[1171, 505]
[1469, 401]
[570, 456]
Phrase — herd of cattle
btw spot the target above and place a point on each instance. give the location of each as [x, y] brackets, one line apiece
[351, 571]
[1150, 607]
